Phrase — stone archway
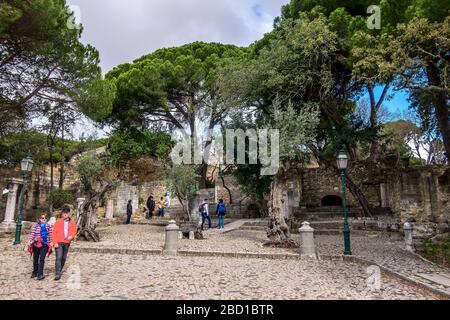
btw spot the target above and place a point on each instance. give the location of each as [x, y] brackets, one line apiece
[331, 201]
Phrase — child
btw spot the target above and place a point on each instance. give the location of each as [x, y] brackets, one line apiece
[40, 241]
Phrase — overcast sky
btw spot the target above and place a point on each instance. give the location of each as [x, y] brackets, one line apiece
[123, 30]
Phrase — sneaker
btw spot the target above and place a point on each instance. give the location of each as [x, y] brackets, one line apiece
[41, 277]
[33, 276]
[57, 277]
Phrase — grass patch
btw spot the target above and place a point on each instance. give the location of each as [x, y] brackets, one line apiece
[436, 251]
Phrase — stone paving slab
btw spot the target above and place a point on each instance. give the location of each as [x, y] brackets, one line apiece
[119, 277]
[147, 240]
[439, 278]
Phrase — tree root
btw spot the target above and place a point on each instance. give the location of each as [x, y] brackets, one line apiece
[90, 235]
[286, 243]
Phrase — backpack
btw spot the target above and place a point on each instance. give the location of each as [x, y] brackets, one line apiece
[201, 208]
[221, 208]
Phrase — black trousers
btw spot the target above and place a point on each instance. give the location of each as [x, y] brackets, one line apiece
[39, 255]
[61, 256]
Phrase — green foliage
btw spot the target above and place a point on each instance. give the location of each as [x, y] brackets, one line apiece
[14, 147]
[394, 138]
[59, 198]
[251, 182]
[437, 251]
[129, 145]
[96, 99]
[182, 181]
[158, 84]
[297, 128]
[89, 168]
[55, 67]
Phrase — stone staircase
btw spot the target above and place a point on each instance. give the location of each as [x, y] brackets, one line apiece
[321, 213]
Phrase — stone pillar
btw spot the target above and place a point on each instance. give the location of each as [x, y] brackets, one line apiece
[9, 224]
[408, 229]
[80, 202]
[307, 247]
[383, 195]
[170, 246]
[109, 209]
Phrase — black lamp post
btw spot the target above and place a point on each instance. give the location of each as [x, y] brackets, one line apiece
[26, 165]
[342, 163]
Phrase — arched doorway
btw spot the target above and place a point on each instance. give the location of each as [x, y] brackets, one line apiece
[331, 201]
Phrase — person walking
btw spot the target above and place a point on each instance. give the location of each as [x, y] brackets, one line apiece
[168, 199]
[129, 212]
[64, 231]
[161, 206]
[221, 210]
[204, 211]
[150, 207]
[39, 243]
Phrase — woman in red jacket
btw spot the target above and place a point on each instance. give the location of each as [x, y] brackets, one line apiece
[40, 241]
[64, 231]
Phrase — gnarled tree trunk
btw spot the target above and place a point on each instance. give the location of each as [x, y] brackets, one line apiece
[278, 231]
[87, 221]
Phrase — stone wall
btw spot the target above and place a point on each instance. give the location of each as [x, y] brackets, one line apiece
[241, 206]
[408, 192]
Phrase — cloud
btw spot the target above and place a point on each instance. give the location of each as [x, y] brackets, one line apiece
[125, 30]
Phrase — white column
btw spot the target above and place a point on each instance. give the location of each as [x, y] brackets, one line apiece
[383, 195]
[109, 209]
[9, 224]
[307, 247]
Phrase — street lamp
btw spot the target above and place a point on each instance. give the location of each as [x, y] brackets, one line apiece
[342, 163]
[26, 165]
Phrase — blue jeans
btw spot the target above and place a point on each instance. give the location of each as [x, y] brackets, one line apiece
[39, 260]
[204, 218]
[61, 256]
[221, 221]
[161, 212]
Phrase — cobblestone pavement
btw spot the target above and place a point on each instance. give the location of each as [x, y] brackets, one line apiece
[145, 237]
[386, 252]
[99, 276]
[328, 279]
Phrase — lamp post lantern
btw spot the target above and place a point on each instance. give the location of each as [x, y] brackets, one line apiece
[342, 163]
[26, 165]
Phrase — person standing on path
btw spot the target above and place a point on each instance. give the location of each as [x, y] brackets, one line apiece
[161, 206]
[221, 210]
[129, 212]
[168, 199]
[64, 231]
[150, 207]
[205, 213]
[39, 243]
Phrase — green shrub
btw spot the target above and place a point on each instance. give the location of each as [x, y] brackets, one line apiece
[60, 197]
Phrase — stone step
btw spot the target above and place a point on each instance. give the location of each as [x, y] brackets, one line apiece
[253, 228]
[259, 223]
[321, 225]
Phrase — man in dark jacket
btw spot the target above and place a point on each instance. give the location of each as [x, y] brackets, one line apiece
[129, 212]
[150, 207]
